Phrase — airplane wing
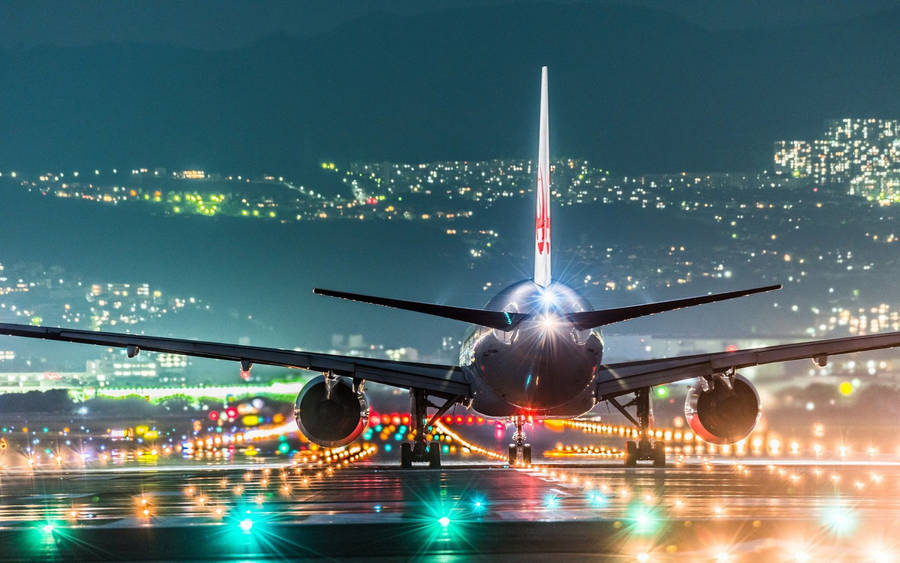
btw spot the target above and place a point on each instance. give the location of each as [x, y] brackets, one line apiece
[619, 379]
[444, 381]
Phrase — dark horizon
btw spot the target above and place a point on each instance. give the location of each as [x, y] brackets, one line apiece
[635, 90]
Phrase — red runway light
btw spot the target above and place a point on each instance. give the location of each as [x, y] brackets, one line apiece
[214, 415]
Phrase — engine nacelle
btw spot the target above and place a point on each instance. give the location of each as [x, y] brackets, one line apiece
[334, 419]
[720, 414]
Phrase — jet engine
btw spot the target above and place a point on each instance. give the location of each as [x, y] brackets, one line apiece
[723, 410]
[331, 417]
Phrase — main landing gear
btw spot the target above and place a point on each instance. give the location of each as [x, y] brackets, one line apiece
[420, 450]
[519, 450]
[643, 449]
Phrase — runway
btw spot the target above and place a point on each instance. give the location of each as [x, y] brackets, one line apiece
[725, 511]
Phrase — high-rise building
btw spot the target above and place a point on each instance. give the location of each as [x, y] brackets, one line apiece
[862, 152]
[793, 158]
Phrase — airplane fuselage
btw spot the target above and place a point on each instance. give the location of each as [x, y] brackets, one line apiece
[544, 366]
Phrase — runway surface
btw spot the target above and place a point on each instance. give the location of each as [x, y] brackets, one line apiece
[718, 511]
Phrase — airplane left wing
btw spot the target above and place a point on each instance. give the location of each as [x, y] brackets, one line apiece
[440, 380]
[620, 379]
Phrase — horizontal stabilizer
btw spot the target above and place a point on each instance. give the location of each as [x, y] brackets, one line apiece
[591, 319]
[492, 319]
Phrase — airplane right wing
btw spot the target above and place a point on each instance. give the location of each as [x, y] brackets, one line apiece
[619, 379]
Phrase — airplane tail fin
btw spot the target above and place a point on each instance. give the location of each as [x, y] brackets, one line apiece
[542, 216]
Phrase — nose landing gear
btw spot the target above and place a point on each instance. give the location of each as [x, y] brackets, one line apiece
[519, 450]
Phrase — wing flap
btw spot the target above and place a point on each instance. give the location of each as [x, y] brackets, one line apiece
[618, 379]
[438, 379]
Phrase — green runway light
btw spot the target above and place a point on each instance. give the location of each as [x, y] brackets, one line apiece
[551, 501]
[246, 525]
[644, 520]
[596, 499]
[839, 519]
[444, 521]
[48, 528]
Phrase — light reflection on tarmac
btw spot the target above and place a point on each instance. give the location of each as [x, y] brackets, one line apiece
[716, 510]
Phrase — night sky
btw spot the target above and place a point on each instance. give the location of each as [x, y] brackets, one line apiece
[226, 24]
[250, 87]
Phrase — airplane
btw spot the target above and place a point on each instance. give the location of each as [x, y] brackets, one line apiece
[535, 350]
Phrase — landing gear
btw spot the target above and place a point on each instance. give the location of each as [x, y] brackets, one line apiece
[405, 455]
[643, 449]
[420, 451]
[434, 455]
[631, 453]
[519, 449]
[659, 454]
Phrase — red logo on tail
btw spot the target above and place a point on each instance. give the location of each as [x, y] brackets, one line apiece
[542, 225]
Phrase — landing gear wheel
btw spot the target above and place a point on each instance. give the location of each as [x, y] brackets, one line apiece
[434, 455]
[631, 454]
[659, 454]
[513, 454]
[526, 454]
[405, 455]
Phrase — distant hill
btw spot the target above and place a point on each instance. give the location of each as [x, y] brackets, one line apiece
[631, 89]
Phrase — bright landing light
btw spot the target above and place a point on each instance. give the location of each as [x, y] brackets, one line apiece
[548, 322]
[548, 298]
[246, 524]
[444, 521]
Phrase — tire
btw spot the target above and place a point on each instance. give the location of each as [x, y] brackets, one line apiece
[659, 454]
[526, 454]
[631, 454]
[434, 455]
[512, 454]
[406, 455]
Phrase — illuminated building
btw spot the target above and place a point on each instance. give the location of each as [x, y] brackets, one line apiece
[793, 158]
[863, 152]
